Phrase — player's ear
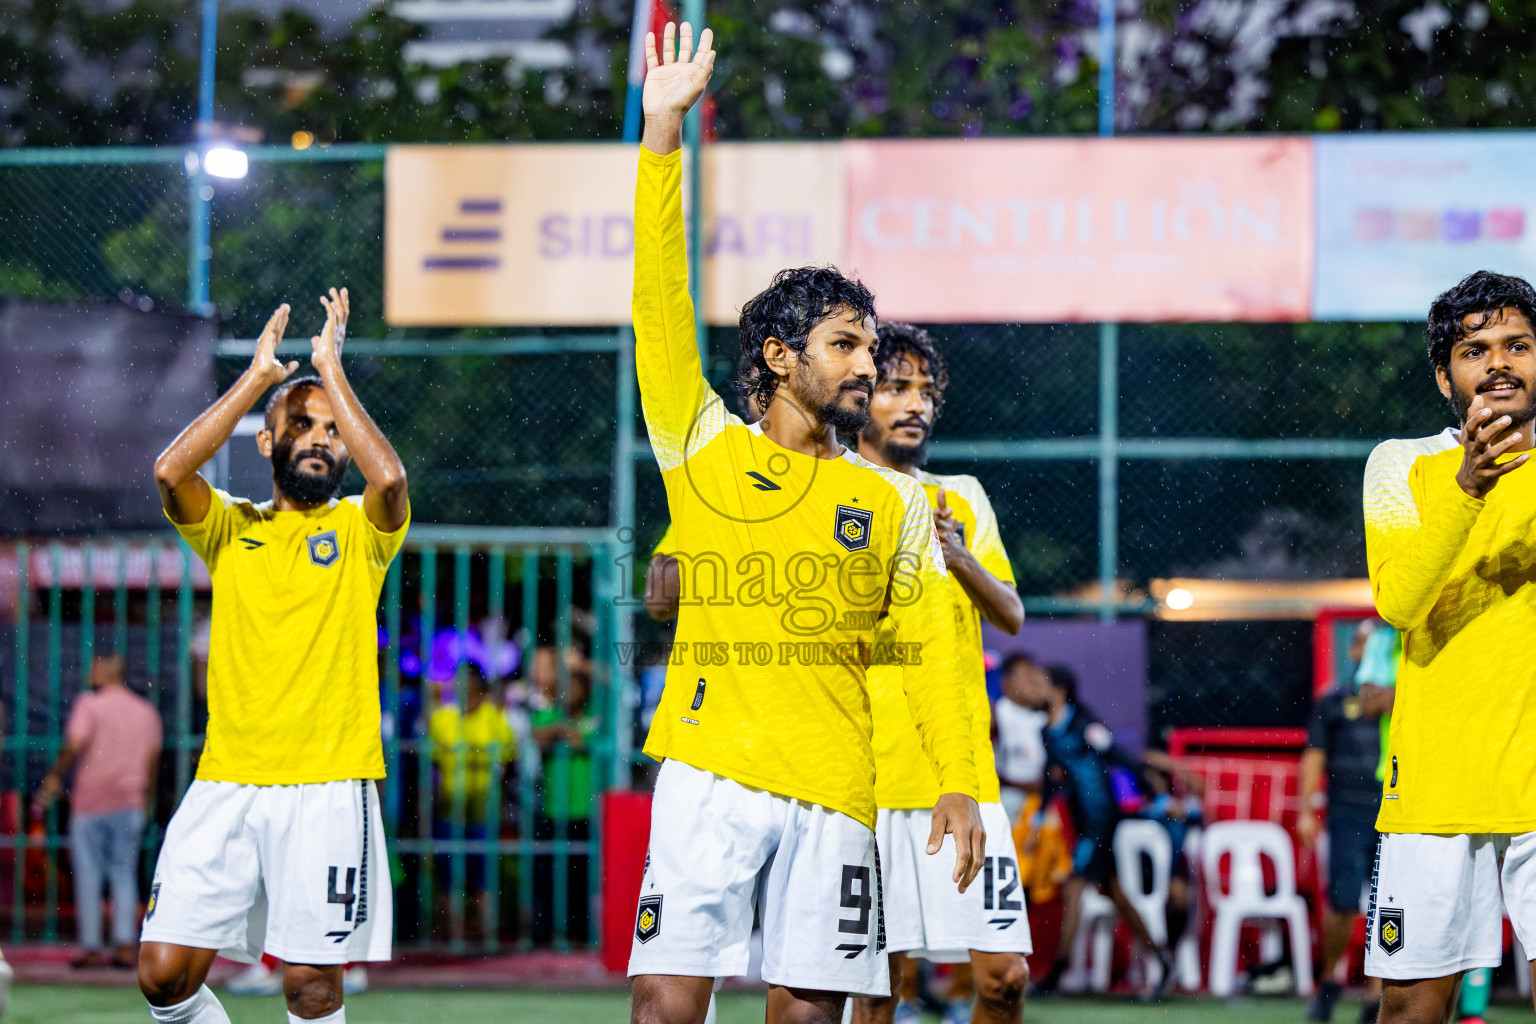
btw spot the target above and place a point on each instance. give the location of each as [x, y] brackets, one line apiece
[1443, 381]
[264, 442]
[778, 356]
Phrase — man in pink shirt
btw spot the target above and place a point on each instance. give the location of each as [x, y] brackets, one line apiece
[113, 740]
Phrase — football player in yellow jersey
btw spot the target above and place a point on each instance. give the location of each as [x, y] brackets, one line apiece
[1452, 568]
[788, 548]
[925, 916]
[278, 846]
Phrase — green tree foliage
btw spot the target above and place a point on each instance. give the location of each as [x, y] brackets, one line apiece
[1399, 65]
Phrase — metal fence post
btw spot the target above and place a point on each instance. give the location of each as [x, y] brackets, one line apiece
[527, 790]
[1109, 364]
[424, 795]
[200, 190]
[19, 734]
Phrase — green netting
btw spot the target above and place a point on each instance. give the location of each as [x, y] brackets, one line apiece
[91, 231]
[523, 440]
[528, 439]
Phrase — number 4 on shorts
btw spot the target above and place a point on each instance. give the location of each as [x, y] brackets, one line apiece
[347, 898]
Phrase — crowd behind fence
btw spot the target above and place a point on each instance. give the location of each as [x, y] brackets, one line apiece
[1123, 456]
[515, 819]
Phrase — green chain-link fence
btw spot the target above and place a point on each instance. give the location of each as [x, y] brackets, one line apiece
[1194, 449]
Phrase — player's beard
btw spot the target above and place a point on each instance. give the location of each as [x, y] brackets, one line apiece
[813, 391]
[1461, 401]
[901, 453]
[307, 489]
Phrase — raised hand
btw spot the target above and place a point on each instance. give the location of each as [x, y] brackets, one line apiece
[264, 365]
[948, 528]
[1481, 448]
[326, 346]
[674, 82]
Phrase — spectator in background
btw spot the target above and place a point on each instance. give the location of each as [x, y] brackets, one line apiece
[1081, 760]
[1344, 746]
[466, 743]
[1020, 749]
[113, 740]
[1177, 813]
[564, 730]
[1017, 737]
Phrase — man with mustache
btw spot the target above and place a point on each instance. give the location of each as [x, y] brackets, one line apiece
[986, 925]
[765, 796]
[1452, 570]
[278, 846]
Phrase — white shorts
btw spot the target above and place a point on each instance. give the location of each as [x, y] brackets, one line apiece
[926, 914]
[1438, 902]
[299, 872]
[720, 850]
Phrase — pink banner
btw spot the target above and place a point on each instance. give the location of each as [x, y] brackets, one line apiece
[1001, 230]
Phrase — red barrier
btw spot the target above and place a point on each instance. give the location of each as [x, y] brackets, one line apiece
[626, 837]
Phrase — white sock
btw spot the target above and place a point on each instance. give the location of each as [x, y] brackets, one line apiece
[202, 1008]
[339, 1017]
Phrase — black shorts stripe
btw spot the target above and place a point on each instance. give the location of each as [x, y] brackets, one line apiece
[1370, 909]
[879, 906]
[362, 885]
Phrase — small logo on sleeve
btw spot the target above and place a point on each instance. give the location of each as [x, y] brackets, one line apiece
[851, 527]
[1389, 931]
[324, 550]
[154, 901]
[648, 921]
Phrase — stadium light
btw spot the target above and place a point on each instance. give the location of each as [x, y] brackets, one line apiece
[226, 162]
[1179, 599]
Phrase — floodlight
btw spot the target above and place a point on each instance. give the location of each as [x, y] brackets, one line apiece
[225, 162]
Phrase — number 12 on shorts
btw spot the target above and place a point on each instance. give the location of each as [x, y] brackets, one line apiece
[1000, 880]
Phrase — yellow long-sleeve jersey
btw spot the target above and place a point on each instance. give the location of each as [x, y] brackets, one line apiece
[902, 778]
[1457, 576]
[785, 562]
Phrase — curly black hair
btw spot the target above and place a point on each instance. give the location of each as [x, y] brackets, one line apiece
[1480, 295]
[788, 309]
[900, 341]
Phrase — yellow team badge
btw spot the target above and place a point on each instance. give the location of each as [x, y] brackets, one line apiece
[648, 923]
[154, 898]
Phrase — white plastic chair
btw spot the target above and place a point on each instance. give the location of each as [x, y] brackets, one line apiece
[1249, 843]
[1136, 838]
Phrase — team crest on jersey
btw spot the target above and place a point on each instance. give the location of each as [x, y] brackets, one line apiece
[324, 550]
[154, 898]
[648, 921]
[1389, 929]
[851, 527]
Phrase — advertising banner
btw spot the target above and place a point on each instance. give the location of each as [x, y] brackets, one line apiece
[1004, 230]
[1401, 218]
[544, 234]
